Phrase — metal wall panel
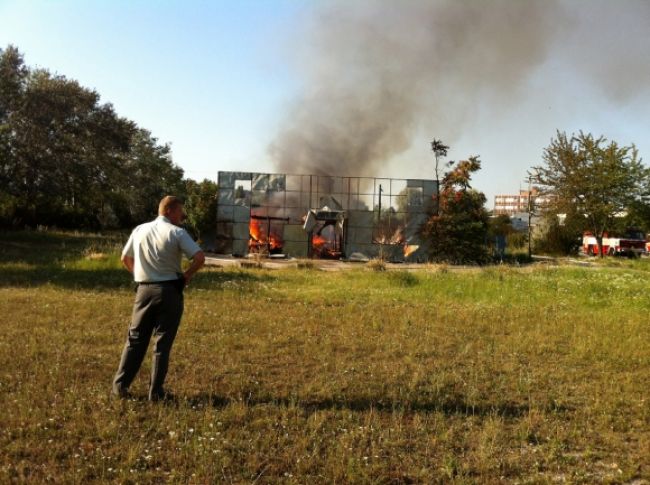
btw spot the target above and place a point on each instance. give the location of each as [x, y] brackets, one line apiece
[359, 235]
[240, 247]
[226, 196]
[360, 219]
[227, 180]
[295, 233]
[225, 213]
[268, 196]
[368, 250]
[295, 249]
[241, 214]
[223, 246]
[428, 188]
[240, 231]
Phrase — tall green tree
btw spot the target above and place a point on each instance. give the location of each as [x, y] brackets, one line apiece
[70, 160]
[151, 174]
[457, 231]
[592, 178]
[13, 76]
[61, 149]
[201, 207]
[439, 150]
[637, 216]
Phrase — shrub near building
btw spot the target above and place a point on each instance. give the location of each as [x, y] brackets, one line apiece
[458, 228]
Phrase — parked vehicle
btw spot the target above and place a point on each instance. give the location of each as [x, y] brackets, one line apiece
[631, 243]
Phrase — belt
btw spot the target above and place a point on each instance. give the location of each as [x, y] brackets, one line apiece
[166, 282]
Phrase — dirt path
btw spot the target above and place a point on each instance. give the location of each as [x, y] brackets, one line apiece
[227, 261]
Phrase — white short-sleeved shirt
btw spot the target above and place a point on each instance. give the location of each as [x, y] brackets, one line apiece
[157, 248]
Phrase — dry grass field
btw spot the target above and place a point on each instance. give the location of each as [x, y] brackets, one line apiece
[494, 375]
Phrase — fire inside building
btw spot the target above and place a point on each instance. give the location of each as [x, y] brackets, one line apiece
[316, 216]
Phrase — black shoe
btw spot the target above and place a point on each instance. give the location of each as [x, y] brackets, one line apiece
[164, 396]
[121, 394]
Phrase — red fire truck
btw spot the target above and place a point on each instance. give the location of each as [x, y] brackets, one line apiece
[631, 243]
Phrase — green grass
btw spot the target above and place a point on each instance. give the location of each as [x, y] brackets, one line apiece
[529, 375]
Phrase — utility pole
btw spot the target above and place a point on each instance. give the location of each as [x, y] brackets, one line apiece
[439, 149]
[531, 208]
[380, 191]
[381, 241]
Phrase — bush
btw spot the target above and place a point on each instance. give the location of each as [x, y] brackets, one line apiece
[305, 264]
[517, 240]
[457, 230]
[558, 239]
[376, 264]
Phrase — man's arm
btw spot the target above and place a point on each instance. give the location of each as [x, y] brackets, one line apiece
[127, 254]
[128, 261]
[198, 260]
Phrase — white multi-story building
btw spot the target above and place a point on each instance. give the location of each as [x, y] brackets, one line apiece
[511, 204]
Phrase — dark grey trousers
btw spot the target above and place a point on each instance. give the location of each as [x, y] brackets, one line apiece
[157, 311]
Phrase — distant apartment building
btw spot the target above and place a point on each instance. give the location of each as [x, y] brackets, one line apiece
[511, 204]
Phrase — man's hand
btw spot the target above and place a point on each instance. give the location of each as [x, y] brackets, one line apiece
[128, 262]
[198, 260]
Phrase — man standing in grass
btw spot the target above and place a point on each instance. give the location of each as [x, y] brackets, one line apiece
[153, 254]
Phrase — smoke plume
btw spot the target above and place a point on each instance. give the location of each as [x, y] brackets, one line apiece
[375, 72]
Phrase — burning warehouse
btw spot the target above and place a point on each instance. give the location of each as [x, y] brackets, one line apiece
[321, 216]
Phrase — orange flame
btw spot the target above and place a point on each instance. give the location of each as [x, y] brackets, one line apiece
[410, 249]
[318, 241]
[255, 230]
[275, 242]
[258, 239]
[324, 247]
